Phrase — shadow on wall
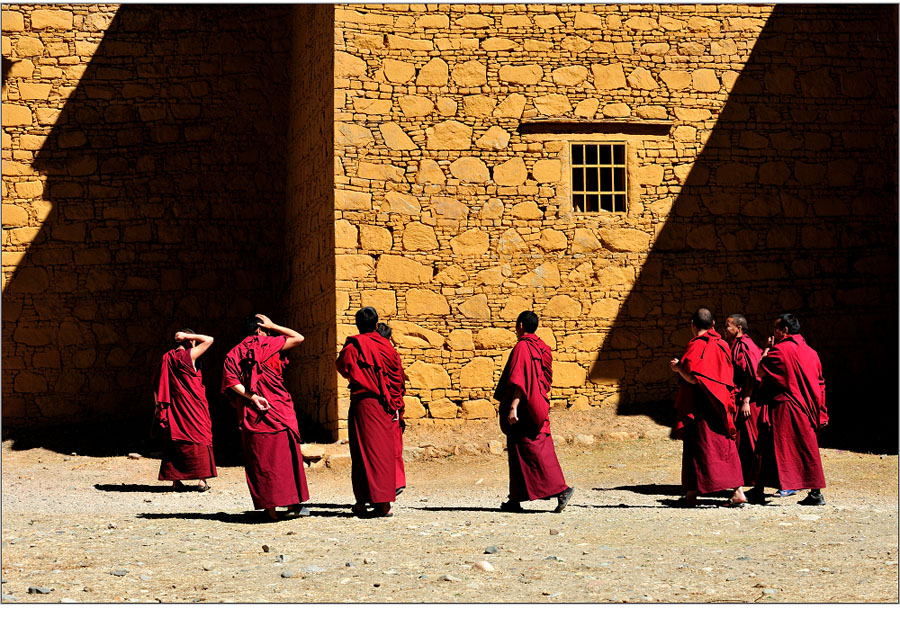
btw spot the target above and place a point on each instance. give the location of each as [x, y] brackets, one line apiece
[791, 206]
[164, 202]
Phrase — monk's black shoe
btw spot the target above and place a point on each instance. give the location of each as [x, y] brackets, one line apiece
[512, 507]
[563, 499]
[813, 498]
[399, 490]
[755, 496]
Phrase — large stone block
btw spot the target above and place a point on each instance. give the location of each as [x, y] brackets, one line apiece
[606, 308]
[470, 74]
[470, 243]
[491, 338]
[562, 306]
[451, 275]
[545, 275]
[443, 408]
[346, 200]
[589, 21]
[512, 107]
[478, 409]
[346, 65]
[375, 238]
[430, 173]
[567, 374]
[396, 42]
[511, 173]
[395, 138]
[470, 170]
[552, 240]
[587, 342]
[344, 234]
[705, 80]
[675, 79]
[416, 106]
[449, 135]
[735, 174]
[476, 307]
[398, 71]
[32, 280]
[354, 267]
[495, 138]
[553, 105]
[379, 172]
[514, 306]
[478, 373]
[641, 78]
[433, 74]
[421, 302]
[607, 77]
[410, 335]
[460, 340]
[510, 243]
[29, 383]
[372, 106]
[492, 209]
[396, 269]
[12, 21]
[51, 19]
[587, 108]
[641, 23]
[474, 20]
[491, 276]
[413, 408]
[584, 241]
[31, 336]
[427, 376]
[448, 208]
[547, 170]
[404, 204]
[527, 210]
[16, 115]
[624, 240]
[418, 236]
[570, 75]
[352, 135]
[384, 301]
[479, 106]
[521, 74]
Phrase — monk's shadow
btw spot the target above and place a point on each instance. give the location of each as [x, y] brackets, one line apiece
[132, 487]
[649, 489]
[492, 510]
[252, 517]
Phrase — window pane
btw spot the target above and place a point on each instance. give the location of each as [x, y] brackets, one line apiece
[619, 179]
[577, 179]
[620, 202]
[591, 179]
[605, 179]
[606, 203]
[592, 203]
[577, 155]
[578, 202]
[619, 154]
[590, 154]
[605, 154]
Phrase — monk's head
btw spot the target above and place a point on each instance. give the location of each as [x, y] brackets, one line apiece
[527, 322]
[366, 319]
[383, 330]
[735, 326]
[251, 326]
[786, 324]
[702, 321]
[188, 343]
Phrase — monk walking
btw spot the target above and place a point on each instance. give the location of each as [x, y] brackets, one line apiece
[793, 394]
[269, 431]
[182, 412]
[706, 410]
[745, 356]
[371, 364]
[524, 395]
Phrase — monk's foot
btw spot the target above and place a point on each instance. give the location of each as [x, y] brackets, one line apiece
[298, 511]
[813, 498]
[689, 499]
[382, 510]
[511, 506]
[202, 486]
[756, 496]
[178, 486]
[400, 490]
[360, 510]
[272, 514]
[562, 499]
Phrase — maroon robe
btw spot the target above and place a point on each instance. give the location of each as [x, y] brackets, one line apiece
[793, 393]
[534, 470]
[377, 384]
[710, 461]
[745, 356]
[271, 439]
[184, 417]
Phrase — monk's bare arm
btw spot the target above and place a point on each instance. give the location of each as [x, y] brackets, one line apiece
[258, 401]
[676, 366]
[204, 342]
[292, 338]
[513, 416]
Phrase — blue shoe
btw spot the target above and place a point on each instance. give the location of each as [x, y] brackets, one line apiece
[783, 493]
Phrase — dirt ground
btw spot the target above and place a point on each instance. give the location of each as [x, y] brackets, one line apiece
[90, 529]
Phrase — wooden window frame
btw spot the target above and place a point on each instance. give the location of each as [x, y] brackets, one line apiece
[616, 191]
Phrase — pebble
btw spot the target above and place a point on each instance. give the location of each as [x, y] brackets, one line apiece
[770, 591]
[618, 466]
[67, 600]
[423, 576]
[118, 573]
[483, 566]
[389, 572]
[8, 598]
[111, 525]
[809, 517]
[288, 574]
[265, 548]
[706, 569]
[495, 447]
[349, 564]
[314, 569]
[491, 550]
[448, 578]
[554, 532]
[282, 558]
[547, 593]
[479, 482]
[825, 569]
[206, 567]
[346, 580]
[368, 560]
[709, 591]
[134, 456]
[144, 577]
[38, 590]
[743, 559]
[160, 533]
[376, 585]
[554, 558]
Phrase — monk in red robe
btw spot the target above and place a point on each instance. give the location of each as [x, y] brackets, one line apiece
[524, 395]
[385, 332]
[706, 410]
[745, 356]
[372, 365]
[182, 413]
[793, 397]
[253, 377]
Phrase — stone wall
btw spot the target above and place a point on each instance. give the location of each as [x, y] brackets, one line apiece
[143, 191]
[453, 214]
[309, 226]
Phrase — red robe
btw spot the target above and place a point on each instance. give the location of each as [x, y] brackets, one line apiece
[534, 470]
[271, 439]
[710, 461]
[745, 356]
[793, 393]
[377, 386]
[184, 416]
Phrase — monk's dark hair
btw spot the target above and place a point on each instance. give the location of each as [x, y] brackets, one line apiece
[186, 343]
[528, 320]
[251, 324]
[703, 319]
[383, 330]
[788, 322]
[366, 319]
[740, 322]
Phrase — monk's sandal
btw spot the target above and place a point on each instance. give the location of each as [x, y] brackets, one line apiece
[563, 499]
[511, 506]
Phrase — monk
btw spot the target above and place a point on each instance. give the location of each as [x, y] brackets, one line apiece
[745, 356]
[706, 410]
[793, 396]
[385, 332]
[182, 413]
[524, 395]
[373, 368]
[270, 435]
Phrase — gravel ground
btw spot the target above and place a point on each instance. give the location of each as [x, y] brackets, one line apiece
[87, 529]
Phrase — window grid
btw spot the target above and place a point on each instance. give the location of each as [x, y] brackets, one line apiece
[599, 177]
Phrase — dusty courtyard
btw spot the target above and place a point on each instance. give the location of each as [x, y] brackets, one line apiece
[90, 529]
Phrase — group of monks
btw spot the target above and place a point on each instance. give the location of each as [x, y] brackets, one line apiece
[749, 417]
[746, 417]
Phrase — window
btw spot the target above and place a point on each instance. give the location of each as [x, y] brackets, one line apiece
[598, 177]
